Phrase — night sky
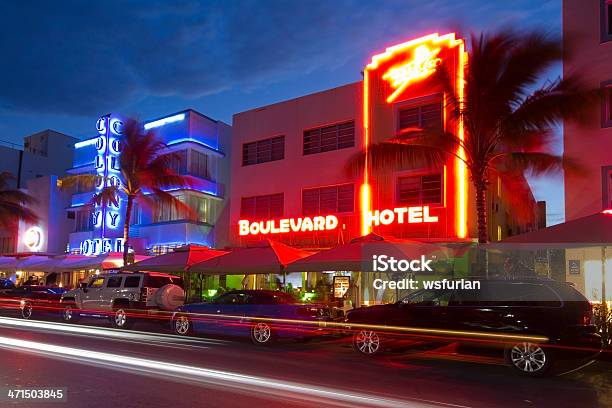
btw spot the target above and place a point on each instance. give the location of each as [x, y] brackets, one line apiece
[66, 62]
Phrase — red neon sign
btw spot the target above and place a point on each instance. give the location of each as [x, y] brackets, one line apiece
[424, 63]
[401, 66]
[400, 215]
[285, 225]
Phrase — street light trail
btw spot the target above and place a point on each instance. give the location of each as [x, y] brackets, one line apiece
[198, 375]
[117, 334]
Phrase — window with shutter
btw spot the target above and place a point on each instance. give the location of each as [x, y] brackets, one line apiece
[328, 138]
[426, 116]
[419, 190]
[328, 200]
[263, 151]
[262, 207]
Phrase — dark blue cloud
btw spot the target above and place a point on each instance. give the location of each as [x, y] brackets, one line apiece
[86, 57]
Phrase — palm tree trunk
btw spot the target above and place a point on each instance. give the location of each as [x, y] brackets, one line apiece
[126, 228]
[481, 211]
[481, 214]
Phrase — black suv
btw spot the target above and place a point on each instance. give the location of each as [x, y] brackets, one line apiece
[535, 322]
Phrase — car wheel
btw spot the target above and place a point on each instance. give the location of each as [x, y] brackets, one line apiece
[69, 314]
[182, 326]
[26, 310]
[529, 358]
[367, 342]
[120, 319]
[261, 333]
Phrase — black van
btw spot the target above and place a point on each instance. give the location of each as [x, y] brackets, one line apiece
[535, 322]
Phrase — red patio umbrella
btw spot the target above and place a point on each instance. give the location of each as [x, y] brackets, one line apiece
[358, 254]
[178, 260]
[267, 256]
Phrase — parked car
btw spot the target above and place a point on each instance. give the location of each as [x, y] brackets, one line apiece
[32, 299]
[545, 308]
[263, 315]
[121, 297]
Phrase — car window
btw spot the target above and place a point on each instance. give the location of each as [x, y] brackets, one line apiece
[114, 281]
[96, 282]
[131, 282]
[232, 299]
[508, 294]
[437, 297]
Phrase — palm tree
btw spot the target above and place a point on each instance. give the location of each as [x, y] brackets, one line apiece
[14, 204]
[146, 176]
[508, 126]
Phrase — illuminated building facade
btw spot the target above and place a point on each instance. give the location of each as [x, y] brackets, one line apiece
[587, 36]
[291, 167]
[200, 148]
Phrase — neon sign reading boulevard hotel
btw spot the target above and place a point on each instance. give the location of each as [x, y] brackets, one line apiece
[400, 215]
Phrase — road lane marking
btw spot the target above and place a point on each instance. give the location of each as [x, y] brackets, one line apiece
[200, 375]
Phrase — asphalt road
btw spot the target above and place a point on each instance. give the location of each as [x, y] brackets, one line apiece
[148, 367]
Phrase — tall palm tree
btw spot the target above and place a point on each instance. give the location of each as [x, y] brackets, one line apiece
[146, 176]
[509, 127]
[14, 204]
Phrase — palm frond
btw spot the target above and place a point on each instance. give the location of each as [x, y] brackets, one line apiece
[11, 212]
[531, 163]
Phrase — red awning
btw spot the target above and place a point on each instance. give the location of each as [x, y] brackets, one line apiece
[358, 254]
[178, 260]
[591, 230]
[266, 256]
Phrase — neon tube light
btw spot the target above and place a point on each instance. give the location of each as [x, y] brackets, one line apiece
[164, 121]
[285, 225]
[365, 193]
[461, 170]
[85, 143]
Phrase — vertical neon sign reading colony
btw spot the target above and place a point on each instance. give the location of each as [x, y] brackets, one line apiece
[106, 164]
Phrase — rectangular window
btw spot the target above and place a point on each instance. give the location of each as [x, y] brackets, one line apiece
[262, 207]
[136, 217]
[606, 178]
[263, 151]
[328, 200]
[424, 116]
[83, 221]
[328, 138]
[131, 282]
[199, 165]
[168, 211]
[177, 161]
[605, 12]
[114, 281]
[606, 104]
[419, 190]
[202, 208]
